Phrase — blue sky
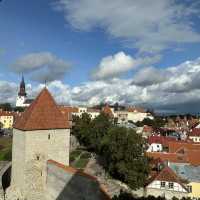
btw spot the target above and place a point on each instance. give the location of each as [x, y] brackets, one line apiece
[100, 51]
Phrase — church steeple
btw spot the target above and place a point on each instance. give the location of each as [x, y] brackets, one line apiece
[22, 90]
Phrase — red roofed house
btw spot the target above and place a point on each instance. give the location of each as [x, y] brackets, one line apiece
[68, 111]
[167, 184]
[179, 152]
[195, 135]
[157, 143]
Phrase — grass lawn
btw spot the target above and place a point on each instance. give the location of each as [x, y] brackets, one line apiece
[5, 148]
[74, 154]
[79, 158]
[81, 163]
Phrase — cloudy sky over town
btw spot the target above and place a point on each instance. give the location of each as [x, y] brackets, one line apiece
[137, 52]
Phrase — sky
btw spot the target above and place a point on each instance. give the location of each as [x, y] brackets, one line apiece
[135, 52]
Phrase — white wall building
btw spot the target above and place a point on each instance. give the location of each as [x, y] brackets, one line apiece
[155, 147]
[167, 184]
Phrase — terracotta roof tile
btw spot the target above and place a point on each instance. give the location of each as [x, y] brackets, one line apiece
[136, 109]
[164, 140]
[42, 114]
[167, 174]
[174, 146]
[108, 111]
[67, 111]
[195, 132]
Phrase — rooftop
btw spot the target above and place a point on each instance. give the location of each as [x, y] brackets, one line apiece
[185, 171]
[42, 114]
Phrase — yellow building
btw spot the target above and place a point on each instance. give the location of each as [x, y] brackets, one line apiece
[194, 189]
[6, 119]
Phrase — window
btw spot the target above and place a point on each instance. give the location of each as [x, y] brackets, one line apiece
[38, 157]
[189, 188]
[49, 136]
[162, 184]
[171, 185]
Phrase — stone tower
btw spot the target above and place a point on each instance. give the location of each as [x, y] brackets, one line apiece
[40, 134]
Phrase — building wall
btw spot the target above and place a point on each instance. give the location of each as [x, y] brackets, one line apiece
[93, 114]
[195, 138]
[18, 158]
[195, 190]
[122, 116]
[157, 185]
[31, 150]
[6, 121]
[138, 116]
[155, 147]
[20, 101]
[165, 193]
[52, 144]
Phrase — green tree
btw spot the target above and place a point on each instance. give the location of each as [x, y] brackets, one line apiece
[82, 128]
[100, 126]
[6, 107]
[123, 152]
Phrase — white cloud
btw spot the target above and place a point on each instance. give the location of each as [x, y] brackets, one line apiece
[112, 66]
[149, 76]
[149, 25]
[42, 66]
[7, 91]
[180, 91]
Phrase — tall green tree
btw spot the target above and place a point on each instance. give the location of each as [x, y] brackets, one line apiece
[125, 160]
[100, 126]
[82, 128]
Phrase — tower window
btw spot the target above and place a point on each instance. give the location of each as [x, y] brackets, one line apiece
[49, 136]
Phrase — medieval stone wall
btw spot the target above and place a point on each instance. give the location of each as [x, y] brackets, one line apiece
[31, 150]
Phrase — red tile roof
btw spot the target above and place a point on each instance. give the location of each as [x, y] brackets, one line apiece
[147, 128]
[160, 140]
[167, 174]
[42, 114]
[180, 156]
[108, 111]
[6, 113]
[67, 111]
[136, 109]
[174, 146]
[171, 157]
[195, 132]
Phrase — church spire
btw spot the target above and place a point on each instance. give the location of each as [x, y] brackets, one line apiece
[22, 90]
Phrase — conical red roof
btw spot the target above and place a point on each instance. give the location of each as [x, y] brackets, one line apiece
[42, 114]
